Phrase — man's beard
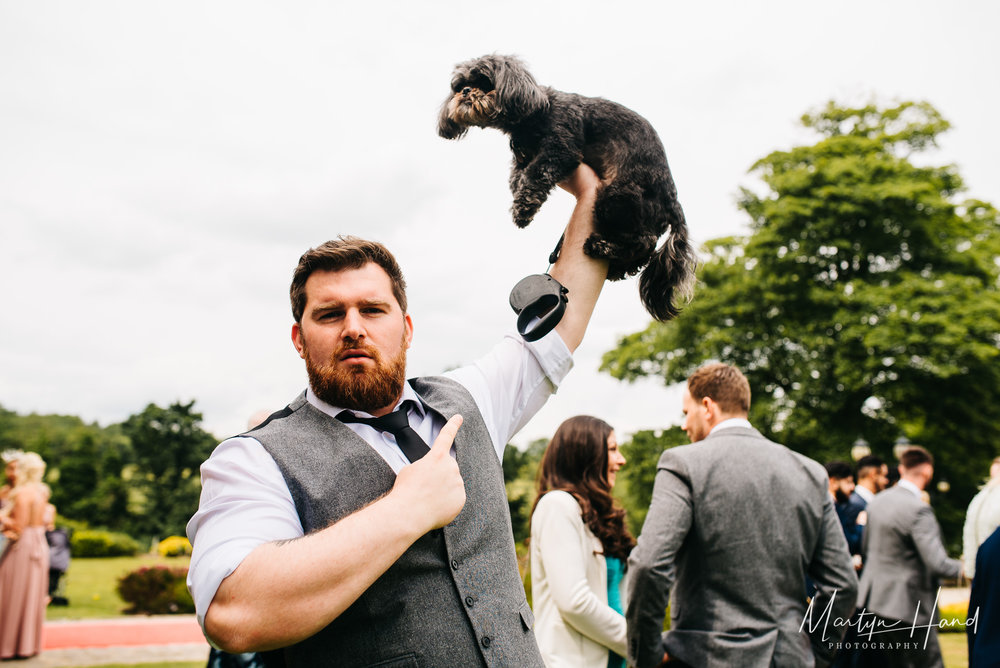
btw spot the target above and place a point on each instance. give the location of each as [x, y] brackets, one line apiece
[841, 496]
[358, 387]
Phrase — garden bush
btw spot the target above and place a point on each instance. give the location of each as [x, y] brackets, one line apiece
[174, 546]
[95, 543]
[156, 590]
[953, 617]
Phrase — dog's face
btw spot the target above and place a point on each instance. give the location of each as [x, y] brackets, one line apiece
[492, 91]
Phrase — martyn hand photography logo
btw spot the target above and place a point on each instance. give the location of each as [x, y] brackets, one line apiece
[868, 624]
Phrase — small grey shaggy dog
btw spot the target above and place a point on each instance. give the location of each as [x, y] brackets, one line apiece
[552, 132]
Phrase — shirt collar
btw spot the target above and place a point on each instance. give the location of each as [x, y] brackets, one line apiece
[732, 423]
[409, 394]
[864, 493]
[906, 484]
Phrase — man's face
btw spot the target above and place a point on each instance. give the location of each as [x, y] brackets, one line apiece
[842, 488]
[882, 478]
[353, 338]
[695, 418]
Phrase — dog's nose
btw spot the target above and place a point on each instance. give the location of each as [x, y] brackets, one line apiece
[466, 90]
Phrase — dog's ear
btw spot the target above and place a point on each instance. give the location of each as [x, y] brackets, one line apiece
[447, 127]
[518, 96]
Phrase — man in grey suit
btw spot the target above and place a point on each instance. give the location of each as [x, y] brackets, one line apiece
[736, 525]
[904, 557]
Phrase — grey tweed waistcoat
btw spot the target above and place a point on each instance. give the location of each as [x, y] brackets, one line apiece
[454, 599]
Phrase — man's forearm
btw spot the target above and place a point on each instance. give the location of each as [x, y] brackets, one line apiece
[286, 591]
[581, 274]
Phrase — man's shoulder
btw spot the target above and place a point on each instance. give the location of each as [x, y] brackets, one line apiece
[895, 499]
[856, 500]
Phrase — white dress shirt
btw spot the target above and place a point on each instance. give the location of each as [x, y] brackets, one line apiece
[244, 499]
[913, 489]
[731, 423]
[864, 493]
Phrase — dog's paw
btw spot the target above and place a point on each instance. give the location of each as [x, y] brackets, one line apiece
[597, 246]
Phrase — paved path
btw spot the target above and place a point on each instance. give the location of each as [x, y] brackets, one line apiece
[128, 640]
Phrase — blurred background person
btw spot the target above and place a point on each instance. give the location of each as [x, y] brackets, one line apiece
[10, 461]
[904, 557]
[579, 547]
[981, 518]
[984, 603]
[24, 568]
[872, 477]
[841, 487]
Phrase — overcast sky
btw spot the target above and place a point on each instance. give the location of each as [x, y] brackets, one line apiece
[164, 164]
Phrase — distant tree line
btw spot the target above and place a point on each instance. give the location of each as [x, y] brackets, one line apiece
[138, 477]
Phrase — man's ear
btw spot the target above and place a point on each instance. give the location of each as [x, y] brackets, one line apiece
[408, 334]
[298, 341]
[708, 405]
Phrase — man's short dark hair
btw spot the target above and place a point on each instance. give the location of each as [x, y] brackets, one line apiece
[344, 252]
[915, 456]
[839, 470]
[869, 462]
[723, 384]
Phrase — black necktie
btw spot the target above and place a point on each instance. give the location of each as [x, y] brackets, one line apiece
[397, 424]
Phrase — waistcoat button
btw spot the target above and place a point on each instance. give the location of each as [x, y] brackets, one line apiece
[469, 601]
[485, 642]
[454, 564]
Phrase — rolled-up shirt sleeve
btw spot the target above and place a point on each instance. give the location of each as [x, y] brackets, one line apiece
[244, 503]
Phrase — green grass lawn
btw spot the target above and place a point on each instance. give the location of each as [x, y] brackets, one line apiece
[955, 650]
[90, 585]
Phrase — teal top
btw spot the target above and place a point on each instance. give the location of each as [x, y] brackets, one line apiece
[616, 571]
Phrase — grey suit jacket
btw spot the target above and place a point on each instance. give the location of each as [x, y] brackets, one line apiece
[735, 526]
[904, 557]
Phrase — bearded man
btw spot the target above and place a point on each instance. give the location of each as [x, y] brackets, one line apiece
[332, 532]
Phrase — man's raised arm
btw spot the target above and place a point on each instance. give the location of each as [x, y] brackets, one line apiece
[286, 591]
[581, 274]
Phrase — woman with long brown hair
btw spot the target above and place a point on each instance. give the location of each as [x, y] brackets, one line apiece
[579, 546]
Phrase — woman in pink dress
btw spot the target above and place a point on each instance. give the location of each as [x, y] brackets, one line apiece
[24, 568]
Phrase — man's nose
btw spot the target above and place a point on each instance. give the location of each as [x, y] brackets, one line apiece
[353, 324]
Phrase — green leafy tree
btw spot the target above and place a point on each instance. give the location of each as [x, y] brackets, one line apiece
[84, 464]
[520, 475]
[168, 446]
[864, 301]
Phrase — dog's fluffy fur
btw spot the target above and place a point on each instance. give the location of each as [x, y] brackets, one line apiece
[551, 132]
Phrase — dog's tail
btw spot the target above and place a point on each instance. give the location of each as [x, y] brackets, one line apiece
[669, 276]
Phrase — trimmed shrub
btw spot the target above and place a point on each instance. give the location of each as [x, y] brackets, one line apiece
[953, 617]
[156, 590]
[94, 543]
[174, 546]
